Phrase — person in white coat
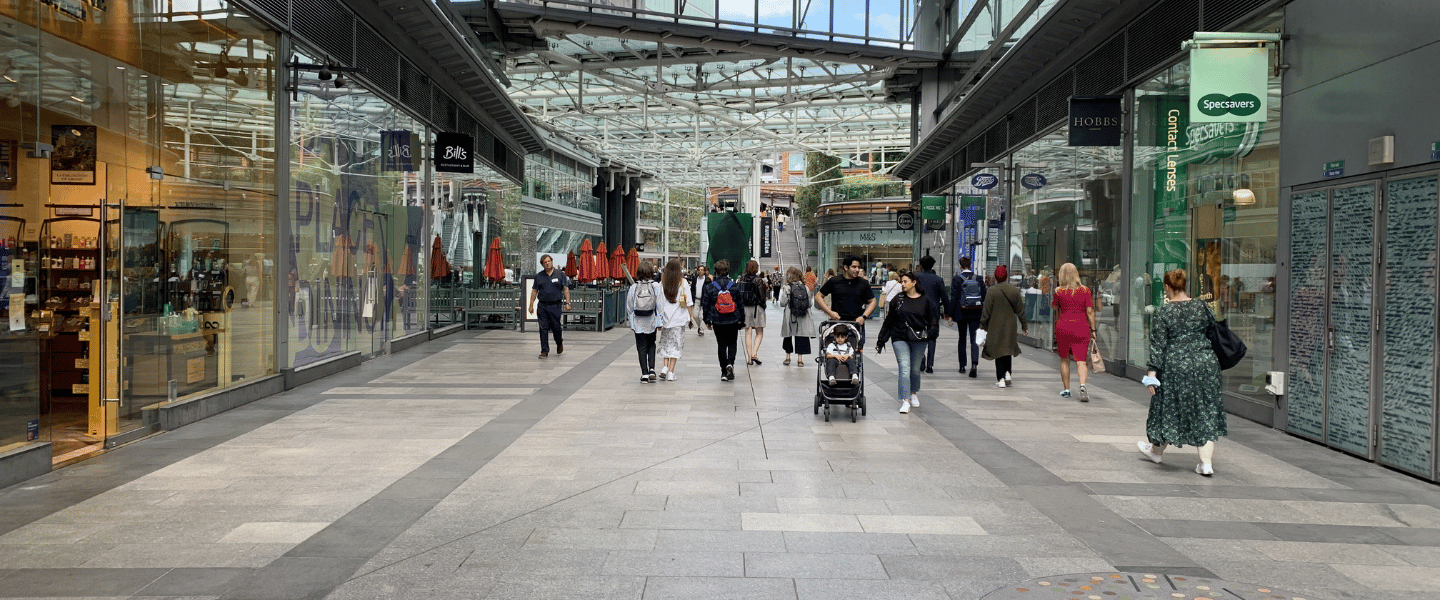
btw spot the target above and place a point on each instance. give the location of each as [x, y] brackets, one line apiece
[642, 308]
[675, 302]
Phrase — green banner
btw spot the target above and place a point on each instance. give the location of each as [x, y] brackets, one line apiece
[1229, 85]
[730, 235]
[932, 207]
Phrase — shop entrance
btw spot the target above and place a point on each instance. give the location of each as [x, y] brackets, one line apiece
[1350, 312]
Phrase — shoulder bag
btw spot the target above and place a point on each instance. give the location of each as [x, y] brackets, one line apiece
[1228, 347]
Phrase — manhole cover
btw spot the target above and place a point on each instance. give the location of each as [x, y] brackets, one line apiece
[1138, 586]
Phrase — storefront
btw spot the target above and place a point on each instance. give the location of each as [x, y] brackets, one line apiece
[872, 230]
[137, 232]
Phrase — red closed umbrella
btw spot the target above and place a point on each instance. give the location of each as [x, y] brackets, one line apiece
[617, 259]
[571, 267]
[632, 260]
[587, 261]
[602, 264]
[439, 267]
[495, 262]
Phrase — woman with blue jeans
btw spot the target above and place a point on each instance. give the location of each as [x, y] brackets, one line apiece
[908, 319]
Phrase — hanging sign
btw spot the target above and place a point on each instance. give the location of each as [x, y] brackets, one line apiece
[1335, 168]
[932, 207]
[1095, 120]
[397, 148]
[984, 181]
[765, 237]
[1033, 181]
[72, 162]
[1229, 85]
[905, 220]
[1435, 151]
[454, 153]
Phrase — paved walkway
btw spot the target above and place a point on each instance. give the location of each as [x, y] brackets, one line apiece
[466, 468]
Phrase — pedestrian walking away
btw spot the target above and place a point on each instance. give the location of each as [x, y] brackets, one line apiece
[697, 288]
[551, 289]
[796, 324]
[1001, 315]
[753, 293]
[967, 299]
[1074, 327]
[852, 298]
[1183, 379]
[775, 280]
[810, 278]
[907, 324]
[723, 315]
[933, 288]
[675, 317]
[642, 308]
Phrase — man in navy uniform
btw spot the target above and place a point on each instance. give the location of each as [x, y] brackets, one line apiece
[552, 289]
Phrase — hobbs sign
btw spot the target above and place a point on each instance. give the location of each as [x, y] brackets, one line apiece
[1228, 85]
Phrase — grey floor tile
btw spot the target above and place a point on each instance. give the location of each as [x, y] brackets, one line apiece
[813, 566]
[194, 582]
[827, 589]
[719, 541]
[78, 582]
[848, 543]
[675, 564]
[719, 588]
[526, 587]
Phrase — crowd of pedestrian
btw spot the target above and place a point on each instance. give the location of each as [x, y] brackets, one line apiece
[989, 313]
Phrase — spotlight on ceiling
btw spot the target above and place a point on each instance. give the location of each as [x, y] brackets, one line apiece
[340, 81]
[241, 78]
[325, 73]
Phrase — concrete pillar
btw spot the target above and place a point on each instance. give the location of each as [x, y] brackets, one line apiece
[630, 210]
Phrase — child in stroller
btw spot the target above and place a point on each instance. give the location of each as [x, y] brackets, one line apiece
[840, 378]
[839, 352]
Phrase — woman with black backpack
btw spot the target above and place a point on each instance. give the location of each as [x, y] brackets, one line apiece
[796, 325]
[754, 298]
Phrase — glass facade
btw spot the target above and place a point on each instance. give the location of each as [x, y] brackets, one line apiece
[1072, 217]
[1206, 198]
[357, 251]
[126, 288]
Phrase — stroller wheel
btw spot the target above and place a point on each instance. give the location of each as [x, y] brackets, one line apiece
[817, 404]
[862, 404]
[827, 413]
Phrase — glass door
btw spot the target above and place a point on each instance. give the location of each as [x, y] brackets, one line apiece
[1407, 409]
[1332, 316]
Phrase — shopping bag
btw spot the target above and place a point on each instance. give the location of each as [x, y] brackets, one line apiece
[980, 338]
[1097, 364]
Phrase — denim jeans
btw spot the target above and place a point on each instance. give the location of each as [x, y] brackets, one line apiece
[908, 356]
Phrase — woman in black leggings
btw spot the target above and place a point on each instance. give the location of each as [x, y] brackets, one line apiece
[1002, 314]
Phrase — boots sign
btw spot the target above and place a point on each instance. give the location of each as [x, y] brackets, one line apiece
[454, 153]
[1229, 85]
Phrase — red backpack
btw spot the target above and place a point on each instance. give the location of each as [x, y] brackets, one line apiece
[724, 303]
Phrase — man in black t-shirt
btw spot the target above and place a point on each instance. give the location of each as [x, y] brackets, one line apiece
[851, 293]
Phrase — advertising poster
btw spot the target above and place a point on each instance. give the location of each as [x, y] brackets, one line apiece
[73, 161]
[766, 241]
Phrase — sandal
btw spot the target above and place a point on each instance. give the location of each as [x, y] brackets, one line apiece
[754, 361]
[787, 362]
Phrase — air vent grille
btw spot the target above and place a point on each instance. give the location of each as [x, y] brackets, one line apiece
[1103, 71]
[1053, 101]
[1221, 15]
[327, 25]
[1022, 121]
[380, 61]
[1155, 37]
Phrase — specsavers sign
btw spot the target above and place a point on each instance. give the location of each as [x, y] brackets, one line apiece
[1228, 85]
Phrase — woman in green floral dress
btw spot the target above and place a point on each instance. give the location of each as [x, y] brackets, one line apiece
[1184, 380]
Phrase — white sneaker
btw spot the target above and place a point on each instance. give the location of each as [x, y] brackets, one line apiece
[1201, 468]
[832, 379]
[1000, 384]
[904, 407]
[914, 401]
[1007, 378]
[1148, 450]
[662, 372]
[670, 376]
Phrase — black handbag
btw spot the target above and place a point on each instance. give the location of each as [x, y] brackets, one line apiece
[1228, 347]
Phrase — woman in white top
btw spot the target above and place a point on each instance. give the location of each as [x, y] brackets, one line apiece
[675, 312]
[643, 309]
[891, 288]
[697, 287]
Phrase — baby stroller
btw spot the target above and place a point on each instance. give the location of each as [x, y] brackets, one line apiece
[843, 391]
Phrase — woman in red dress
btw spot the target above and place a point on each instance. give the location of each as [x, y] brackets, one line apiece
[1074, 326]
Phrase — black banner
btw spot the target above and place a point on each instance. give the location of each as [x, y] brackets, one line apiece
[398, 157]
[905, 220]
[454, 153]
[1095, 120]
[765, 237]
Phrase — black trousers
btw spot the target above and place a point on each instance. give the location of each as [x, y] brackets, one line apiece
[930, 353]
[549, 315]
[833, 364]
[968, 327]
[725, 336]
[1002, 366]
[645, 347]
